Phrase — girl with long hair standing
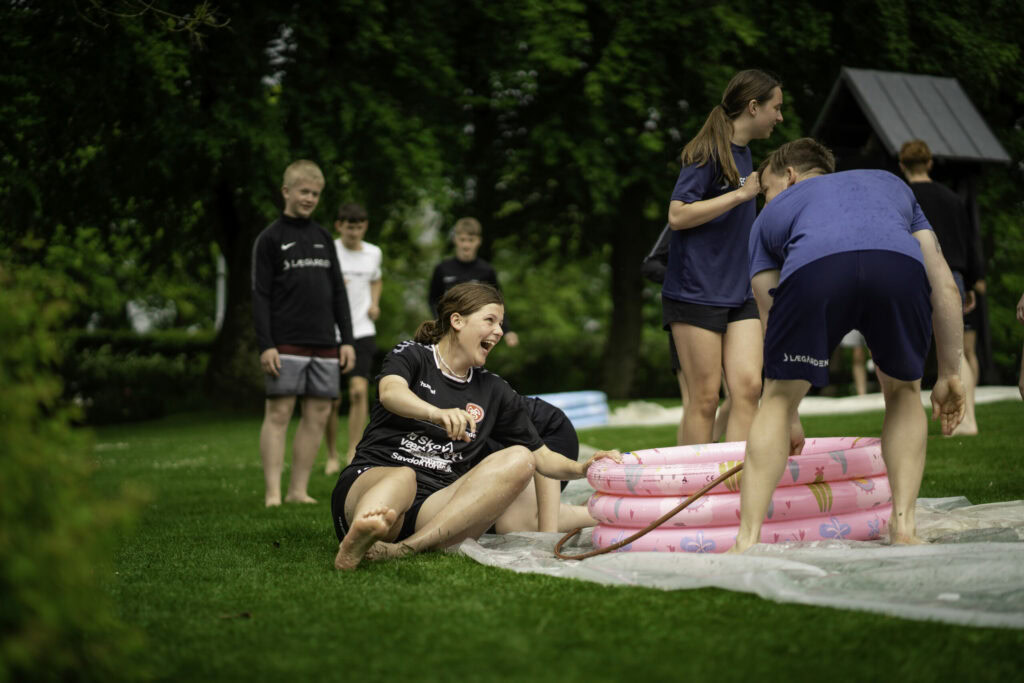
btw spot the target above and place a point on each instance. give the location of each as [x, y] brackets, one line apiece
[706, 298]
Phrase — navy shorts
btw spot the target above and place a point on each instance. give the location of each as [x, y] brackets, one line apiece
[714, 318]
[348, 477]
[883, 294]
[366, 348]
[305, 371]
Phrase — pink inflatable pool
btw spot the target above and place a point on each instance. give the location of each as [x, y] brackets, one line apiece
[837, 488]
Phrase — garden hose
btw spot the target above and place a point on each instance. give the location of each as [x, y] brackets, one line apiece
[650, 527]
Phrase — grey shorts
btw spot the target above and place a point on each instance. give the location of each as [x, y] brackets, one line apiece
[305, 371]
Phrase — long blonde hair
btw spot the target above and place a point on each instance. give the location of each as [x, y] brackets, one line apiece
[465, 299]
[713, 140]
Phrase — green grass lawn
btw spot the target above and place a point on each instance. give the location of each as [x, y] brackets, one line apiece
[224, 589]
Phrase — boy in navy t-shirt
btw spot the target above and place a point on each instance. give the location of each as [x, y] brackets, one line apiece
[831, 252]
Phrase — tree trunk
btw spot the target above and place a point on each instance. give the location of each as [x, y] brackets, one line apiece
[233, 375]
[631, 239]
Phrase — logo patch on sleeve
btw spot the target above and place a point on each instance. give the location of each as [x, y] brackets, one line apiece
[475, 411]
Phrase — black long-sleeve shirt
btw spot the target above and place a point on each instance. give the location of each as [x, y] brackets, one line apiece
[298, 293]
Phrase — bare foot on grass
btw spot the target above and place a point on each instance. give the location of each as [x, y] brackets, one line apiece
[272, 501]
[299, 498]
[363, 533]
[966, 428]
[333, 466]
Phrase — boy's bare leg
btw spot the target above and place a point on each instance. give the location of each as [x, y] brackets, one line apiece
[277, 412]
[467, 508]
[860, 371]
[904, 438]
[358, 392]
[331, 436]
[305, 446]
[767, 450]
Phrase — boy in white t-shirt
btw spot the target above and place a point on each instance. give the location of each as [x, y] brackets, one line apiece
[360, 266]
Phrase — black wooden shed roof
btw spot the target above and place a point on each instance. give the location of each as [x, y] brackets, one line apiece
[901, 107]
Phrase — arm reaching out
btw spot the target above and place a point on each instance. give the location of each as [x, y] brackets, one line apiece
[948, 394]
[557, 466]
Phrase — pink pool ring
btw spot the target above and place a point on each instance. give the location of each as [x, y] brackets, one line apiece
[723, 509]
[682, 470]
[837, 488]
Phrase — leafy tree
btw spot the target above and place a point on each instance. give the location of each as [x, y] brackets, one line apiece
[558, 124]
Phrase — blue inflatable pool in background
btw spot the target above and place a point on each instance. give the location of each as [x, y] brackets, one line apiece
[583, 408]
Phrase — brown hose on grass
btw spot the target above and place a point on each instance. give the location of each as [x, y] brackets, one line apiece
[650, 527]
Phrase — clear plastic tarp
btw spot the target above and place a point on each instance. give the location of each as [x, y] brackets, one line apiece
[971, 571]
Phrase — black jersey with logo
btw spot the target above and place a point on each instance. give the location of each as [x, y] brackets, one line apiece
[392, 440]
[298, 294]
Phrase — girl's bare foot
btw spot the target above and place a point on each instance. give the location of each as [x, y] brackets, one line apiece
[272, 501]
[363, 533]
[387, 551]
[299, 498]
[333, 466]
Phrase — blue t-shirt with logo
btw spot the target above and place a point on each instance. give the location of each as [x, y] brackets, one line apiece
[708, 264]
[833, 214]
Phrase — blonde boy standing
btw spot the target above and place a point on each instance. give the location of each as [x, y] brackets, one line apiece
[298, 298]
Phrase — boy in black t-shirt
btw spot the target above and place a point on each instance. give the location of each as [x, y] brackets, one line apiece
[465, 266]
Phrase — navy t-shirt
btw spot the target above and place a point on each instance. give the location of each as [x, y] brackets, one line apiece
[832, 214]
[392, 440]
[708, 264]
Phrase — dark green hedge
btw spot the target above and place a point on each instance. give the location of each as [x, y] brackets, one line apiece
[119, 376]
[57, 536]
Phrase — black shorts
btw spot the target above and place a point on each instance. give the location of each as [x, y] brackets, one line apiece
[883, 294]
[560, 436]
[714, 318]
[348, 477]
[366, 349]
